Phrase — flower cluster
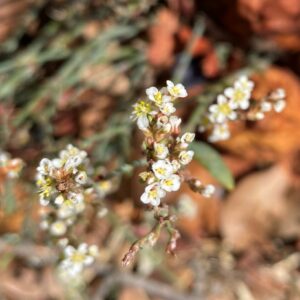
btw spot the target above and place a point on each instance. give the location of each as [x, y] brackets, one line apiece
[61, 184]
[10, 167]
[235, 103]
[166, 150]
[64, 185]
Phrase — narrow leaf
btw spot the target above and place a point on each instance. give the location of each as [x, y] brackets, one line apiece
[211, 160]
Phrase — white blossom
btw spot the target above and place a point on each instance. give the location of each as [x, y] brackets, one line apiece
[266, 106]
[162, 169]
[238, 97]
[279, 106]
[45, 167]
[220, 132]
[58, 228]
[167, 108]
[176, 165]
[244, 83]
[278, 94]
[76, 259]
[152, 195]
[208, 191]
[171, 184]
[160, 150]
[156, 96]
[185, 157]
[81, 177]
[176, 90]
[221, 111]
[174, 122]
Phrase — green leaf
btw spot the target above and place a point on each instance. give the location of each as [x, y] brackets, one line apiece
[211, 160]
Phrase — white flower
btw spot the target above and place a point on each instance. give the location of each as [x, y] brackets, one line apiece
[94, 250]
[174, 122]
[162, 169]
[177, 90]
[238, 97]
[73, 162]
[185, 157]
[102, 212]
[81, 177]
[208, 191]
[265, 106]
[220, 133]
[105, 187]
[279, 106]
[163, 123]
[221, 111]
[156, 96]
[70, 209]
[71, 151]
[143, 123]
[244, 83]
[44, 225]
[45, 167]
[43, 201]
[141, 111]
[75, 197]
[278, 94]
[171, 184]
[76, 259]
[59, 200]
[160, 150]
[152, 195]
[176, 165]
[58, 228]
[167, 108]
[186, 139]
[57, 163]
[259, 115]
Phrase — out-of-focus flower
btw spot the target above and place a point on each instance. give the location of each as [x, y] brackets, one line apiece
[76, 259]
[222, 111]
[220, 132]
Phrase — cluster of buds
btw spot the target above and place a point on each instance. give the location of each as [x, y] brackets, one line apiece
[9, 167]
[236, 104]
[166, 150]
[63, 185]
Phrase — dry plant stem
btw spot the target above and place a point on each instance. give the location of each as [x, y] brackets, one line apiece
[152, 287]
[152, 237]
[33, 254]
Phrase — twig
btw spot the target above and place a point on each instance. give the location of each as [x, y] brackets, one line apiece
[150, 286]
[33, 254]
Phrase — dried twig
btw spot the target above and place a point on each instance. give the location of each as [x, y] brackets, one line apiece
[152, 287]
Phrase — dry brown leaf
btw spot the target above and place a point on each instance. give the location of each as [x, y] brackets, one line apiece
[258, 209]
[11, 13]
[161, 35]
[273, 20]
[129, 293]
[29, 285]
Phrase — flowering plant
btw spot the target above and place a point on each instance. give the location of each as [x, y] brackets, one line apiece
[66, 187]
[167, 154]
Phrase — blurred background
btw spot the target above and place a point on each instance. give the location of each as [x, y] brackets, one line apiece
[70, 72]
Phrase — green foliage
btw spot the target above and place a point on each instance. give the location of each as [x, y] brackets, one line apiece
[212, 161]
